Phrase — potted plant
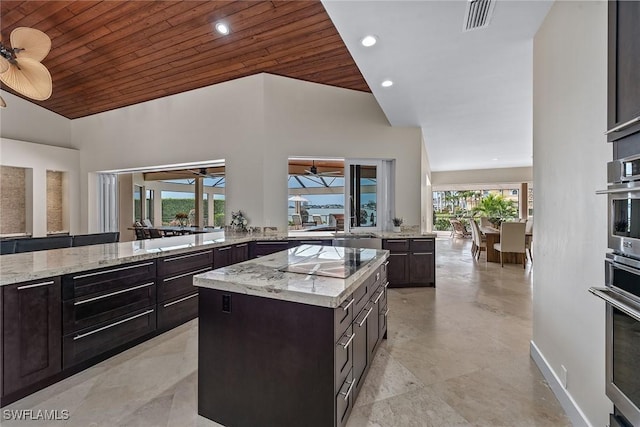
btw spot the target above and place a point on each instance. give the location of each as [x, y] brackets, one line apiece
[397, 222]
[238, 221]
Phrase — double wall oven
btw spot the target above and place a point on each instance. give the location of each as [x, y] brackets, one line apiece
[622, 291]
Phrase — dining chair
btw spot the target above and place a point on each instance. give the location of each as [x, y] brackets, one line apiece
[479, 240]
[140, 234]
[484, 222]
[297, 221]
[512, 240]
[154, 233]
[529, 237]
[317, 219]
[458, 229]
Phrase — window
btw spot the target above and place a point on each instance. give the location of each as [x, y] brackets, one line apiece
[363, 190]
[137, 203]
[149, 205]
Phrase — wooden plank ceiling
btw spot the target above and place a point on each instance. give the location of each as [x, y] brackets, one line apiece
[110, 54]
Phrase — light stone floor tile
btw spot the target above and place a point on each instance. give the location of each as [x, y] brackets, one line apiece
[456, 355]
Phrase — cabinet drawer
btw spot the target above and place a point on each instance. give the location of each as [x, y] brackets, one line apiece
[399, 245]
[383, 299]
[344, 355]
[178, 311]
[178, 285]
[172, 265]
[343, 316]
[422, 245]
[86, 312]
[262, 248]
[107, 280]
[88, 343]
[344, 400]
[382, 321]
[364, 292]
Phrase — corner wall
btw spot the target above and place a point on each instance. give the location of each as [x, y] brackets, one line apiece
[40, 158]
[570, 155]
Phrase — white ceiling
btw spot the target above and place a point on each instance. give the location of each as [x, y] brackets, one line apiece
[471, 92]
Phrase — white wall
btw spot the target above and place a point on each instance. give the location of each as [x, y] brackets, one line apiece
[25, 121]
[448, 179]
[255, 124]
[39, 158]
[570, 156]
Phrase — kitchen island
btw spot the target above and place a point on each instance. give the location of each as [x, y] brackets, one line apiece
[287, 339]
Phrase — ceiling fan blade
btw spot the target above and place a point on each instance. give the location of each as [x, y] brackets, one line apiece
[4, 65]
[32, 79]
[32, 43]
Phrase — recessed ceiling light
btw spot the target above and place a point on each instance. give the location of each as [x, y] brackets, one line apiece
[222, 28]
[369, 41]
[494, 159]
[387, 83]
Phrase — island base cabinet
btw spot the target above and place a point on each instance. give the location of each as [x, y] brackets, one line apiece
[31, 330]
[264, 361]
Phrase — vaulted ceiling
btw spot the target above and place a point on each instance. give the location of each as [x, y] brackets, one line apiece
[110, 54]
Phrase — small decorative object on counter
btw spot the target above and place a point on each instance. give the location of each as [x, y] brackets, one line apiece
[397, 222]
[182, 217]
[238, 221]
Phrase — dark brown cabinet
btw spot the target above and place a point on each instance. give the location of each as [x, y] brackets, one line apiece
[318, 354]
[239, 253]
[411, 262]
[623, 119]
[177, 297]
[267, 247]
[31, 331]
[228, 255]
[103, 310]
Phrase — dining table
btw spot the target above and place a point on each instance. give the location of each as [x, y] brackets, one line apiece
[493, 236]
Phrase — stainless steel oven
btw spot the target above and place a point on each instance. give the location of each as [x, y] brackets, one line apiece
[622, 295]
[624, 206]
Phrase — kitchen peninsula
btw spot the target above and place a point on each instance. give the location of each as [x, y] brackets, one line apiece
[290, 336]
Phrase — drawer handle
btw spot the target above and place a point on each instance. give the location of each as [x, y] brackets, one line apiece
[223, 249]
[397, 241]
[422, 253]
[346, 344]
[623, 125]
[379, 296]
[422, 240]
[119, 322]
[349, 304]
[397, 254]
[386, 285]
[36, 285]
[272, 243]
[169, 304]
[386, 312]
[377, 276]
[176, 258]
[386, 263]
[348, 392]
[82, 276]
[241, 245]
[202, 270]
[84, 301]
[365, 317]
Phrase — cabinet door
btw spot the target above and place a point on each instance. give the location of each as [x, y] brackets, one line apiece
[372, 323]
[421, 270]
[360, 347]
[398, 268]
[624, 68]
[31, 333]
[239, 253]
[221, 257]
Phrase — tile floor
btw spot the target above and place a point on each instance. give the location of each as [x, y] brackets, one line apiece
[456, 355]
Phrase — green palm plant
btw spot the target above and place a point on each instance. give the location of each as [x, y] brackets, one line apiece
[496, 208]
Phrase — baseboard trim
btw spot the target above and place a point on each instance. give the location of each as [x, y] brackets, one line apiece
[571, 408]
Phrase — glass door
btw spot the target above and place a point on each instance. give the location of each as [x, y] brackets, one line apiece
[369, 202]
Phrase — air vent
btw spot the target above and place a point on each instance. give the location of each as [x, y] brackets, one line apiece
[478, 14]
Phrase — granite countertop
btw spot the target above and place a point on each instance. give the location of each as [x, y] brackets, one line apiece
[27, 266]
[265, 277]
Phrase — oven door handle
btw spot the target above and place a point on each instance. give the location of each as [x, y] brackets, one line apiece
[618, 301]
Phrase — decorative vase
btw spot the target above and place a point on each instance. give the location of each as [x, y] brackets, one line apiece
[396, 229]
